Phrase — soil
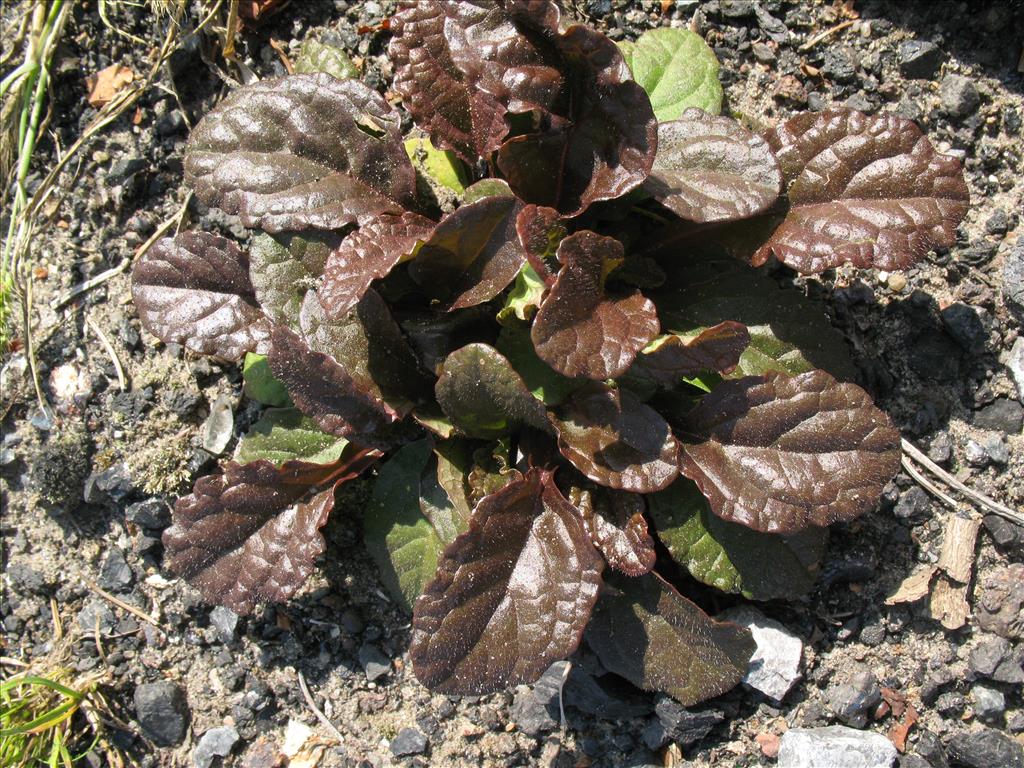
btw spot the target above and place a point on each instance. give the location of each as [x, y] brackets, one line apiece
[86, 493]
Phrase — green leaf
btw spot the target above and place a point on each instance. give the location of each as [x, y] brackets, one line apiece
[398, 535]
[677, 69]
[320, 57]
[524, 298]
[260, 384]
[789, 332]
[730, 556]
[449, 517]
[486, 188]
[284, 267]
[442, 166]
[541, 379]
[283, 434]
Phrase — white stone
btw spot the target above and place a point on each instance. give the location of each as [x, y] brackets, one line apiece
[775, 666]
[835, 747]
[1016, 365]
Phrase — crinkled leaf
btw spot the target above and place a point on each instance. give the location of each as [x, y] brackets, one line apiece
[615, 522]
[511, 596]
[788, 331]
[617, 441]
[866, 189]
[370, 346]
[325, 392]
[677, 69]
[579, 331]
[251, 534]
[644, 630]
[671, 358]
[460, 65]
[284, 267]
[778, 453]
[711, 168]
[439, 165]
[540, 231]
[602, 138]
[545, 382]
[259, 383]
[194, 290]
[732, 557]
[303, 151]
[524, 298]
[491, 470]
[315, 56]
[472, 255]
[435, 335]
[367, 254]
[484, 396]
[486, 188]
[449, 517]
[398, 536]
[285, 434]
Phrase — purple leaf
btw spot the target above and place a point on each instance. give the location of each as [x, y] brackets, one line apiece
[578, 330]
[194, 290]
[615, 522]
[251, 534]
[540, 231]
[654, 637]
[617, 441]
[710, 168]
[367, 254]
[472, 255]
[778, 453]
[716, 349]
[302, 151]
[865, 189]
[512, 595]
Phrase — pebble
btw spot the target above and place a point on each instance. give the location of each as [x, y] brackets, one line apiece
[96, 613]
[1005, 534]
[1001, 415]
[775, 666]
[834, 747]
[853, 702]
[409, 741]
[975, 454]
[162, 711]
[219, 426]
[989, 703]
[986, 748]
[965, 327]
[1015, 364]
[941, 449]
[115, 573]
[536, 708]
[216, 742]
[920, 59]
[224, 621]
[1001, 607]
[958, 95]
[375, 664]
[674, 722]
[1013, 285]
[153, 514]
[995, 658]
[913, 503]
[997, 450]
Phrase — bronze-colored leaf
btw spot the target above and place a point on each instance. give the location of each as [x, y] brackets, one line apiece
[866, 189]
[716, 349]
[540, 231]
[617, 441]
[285, 267]
[578, 330]
[616, 524]
[778, 453]
[512, 595]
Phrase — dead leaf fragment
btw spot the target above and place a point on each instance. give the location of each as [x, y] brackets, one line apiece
[957, 556]
[914, 587]
[949, 603]
[898, 733]
[105, 84]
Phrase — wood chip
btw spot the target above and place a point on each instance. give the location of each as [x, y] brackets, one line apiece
[949, 603]
[957, 556]
[914, 587]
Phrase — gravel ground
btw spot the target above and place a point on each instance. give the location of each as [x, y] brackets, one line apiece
[85, 497]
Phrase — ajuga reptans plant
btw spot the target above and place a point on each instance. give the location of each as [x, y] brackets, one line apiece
[539, 314]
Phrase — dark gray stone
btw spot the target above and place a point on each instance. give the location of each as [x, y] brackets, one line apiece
[152, 513]
[162, 712]
[989, 703]
[1013, 283]
[409, 741]
[913, 503]
[941, 449]
[853, 702]
[1005, 534]
[965, 327]
[736, 9]
[958, 96]
[673, 722]
[375, 664]
[536, 708]
[986, 657]
[986, 748]
[96, 613]
[115, 573]
[920, 59]
[840, 63]
[216, 742]
[1001, 415]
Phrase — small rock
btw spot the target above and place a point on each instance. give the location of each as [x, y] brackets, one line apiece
[853, 702]
[224, 621]
[216, 742]
[986, 748]
[96, 613]
[997, 450]
[375, 664]
[995, 658]
[1013, 286]
[736, 9]
[1005, 534]
[835, 747]
[115, 573]
[409, 741]
[219, 426]
[113, 483]
[536, 708]
[958, 95]
[920, 59]
[840, 63]
[989, 704]
[673, 722]
[941, 449]
[998, 223]
[873, 634]
[763, 53]
[965, 327]
[1001, 607]
[162, 711]
[1015, 363]
[591, 695]
[950, 705]
[1001, 415]
[913, 503]
[976, 454]
[152, 513]
[775, 666]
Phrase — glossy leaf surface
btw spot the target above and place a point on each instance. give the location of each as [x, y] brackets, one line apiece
[512, 595]
[672, 357]
[711, 168]
[545, 382]
[778, 453]
[616, 524]
[194, 290]
[579, 330]
[677, 69]
[865, 189]
[259, 383]
[285, 434]
[284, 267]
[644, 630]
[315, 56]
[303, 151]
